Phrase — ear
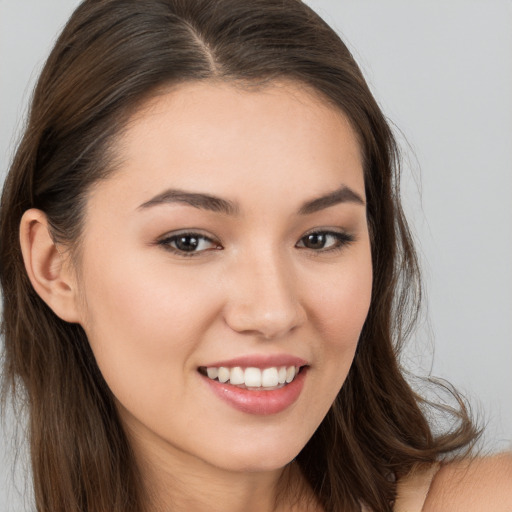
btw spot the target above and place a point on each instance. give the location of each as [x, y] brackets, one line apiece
[49, 271]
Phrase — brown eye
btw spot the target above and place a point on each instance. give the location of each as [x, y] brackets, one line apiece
[325, 240]
[188, 244]
[315, 241]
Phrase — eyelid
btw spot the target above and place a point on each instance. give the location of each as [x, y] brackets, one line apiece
[343, 239]
[166, 240]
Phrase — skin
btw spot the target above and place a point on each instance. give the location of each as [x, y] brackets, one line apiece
[153, 316]
[478, 484]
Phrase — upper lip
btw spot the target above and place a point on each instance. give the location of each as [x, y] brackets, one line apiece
[260, 361]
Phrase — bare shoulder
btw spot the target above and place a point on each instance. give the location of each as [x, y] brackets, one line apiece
[474, 485]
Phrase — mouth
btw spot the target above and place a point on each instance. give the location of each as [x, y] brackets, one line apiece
[252, 378]
[256, 391]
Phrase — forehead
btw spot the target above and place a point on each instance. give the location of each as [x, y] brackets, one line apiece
[280, 141]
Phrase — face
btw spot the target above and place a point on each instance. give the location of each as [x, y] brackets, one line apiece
[234, 236]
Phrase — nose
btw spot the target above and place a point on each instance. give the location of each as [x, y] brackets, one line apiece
[263, 299]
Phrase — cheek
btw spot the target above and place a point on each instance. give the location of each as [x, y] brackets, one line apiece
[144, 323]
[151, 299]
[340, 311]
[343, 304]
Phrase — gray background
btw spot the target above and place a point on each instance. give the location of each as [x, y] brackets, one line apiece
[442, 72]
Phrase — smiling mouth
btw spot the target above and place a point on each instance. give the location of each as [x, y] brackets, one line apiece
[256, 379]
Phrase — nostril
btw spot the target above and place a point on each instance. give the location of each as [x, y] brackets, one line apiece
[264, 326]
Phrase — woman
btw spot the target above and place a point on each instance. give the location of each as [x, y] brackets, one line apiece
[206, 273]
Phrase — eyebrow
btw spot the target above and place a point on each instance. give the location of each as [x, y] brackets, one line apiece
[343, 195]
[216, 204]
[195, 199]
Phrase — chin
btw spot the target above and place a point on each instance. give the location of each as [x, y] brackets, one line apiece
[254, 459]
[258, 466]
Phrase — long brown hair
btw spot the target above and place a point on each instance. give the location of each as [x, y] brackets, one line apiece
[112, 56]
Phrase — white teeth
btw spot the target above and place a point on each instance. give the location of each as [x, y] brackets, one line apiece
[236, 375]
[223, 374]
[269, 377]
[252, 377]
[273, 377]
[290, 374]
[213, 373]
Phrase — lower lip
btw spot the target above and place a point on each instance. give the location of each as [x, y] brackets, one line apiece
[259, 402]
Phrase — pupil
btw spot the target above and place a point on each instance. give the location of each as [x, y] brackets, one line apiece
[187, 243]
[316, 241]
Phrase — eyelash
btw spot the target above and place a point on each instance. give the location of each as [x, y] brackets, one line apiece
[167, 241]
[342, 240]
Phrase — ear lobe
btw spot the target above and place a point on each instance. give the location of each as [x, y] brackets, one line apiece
[48, 270]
